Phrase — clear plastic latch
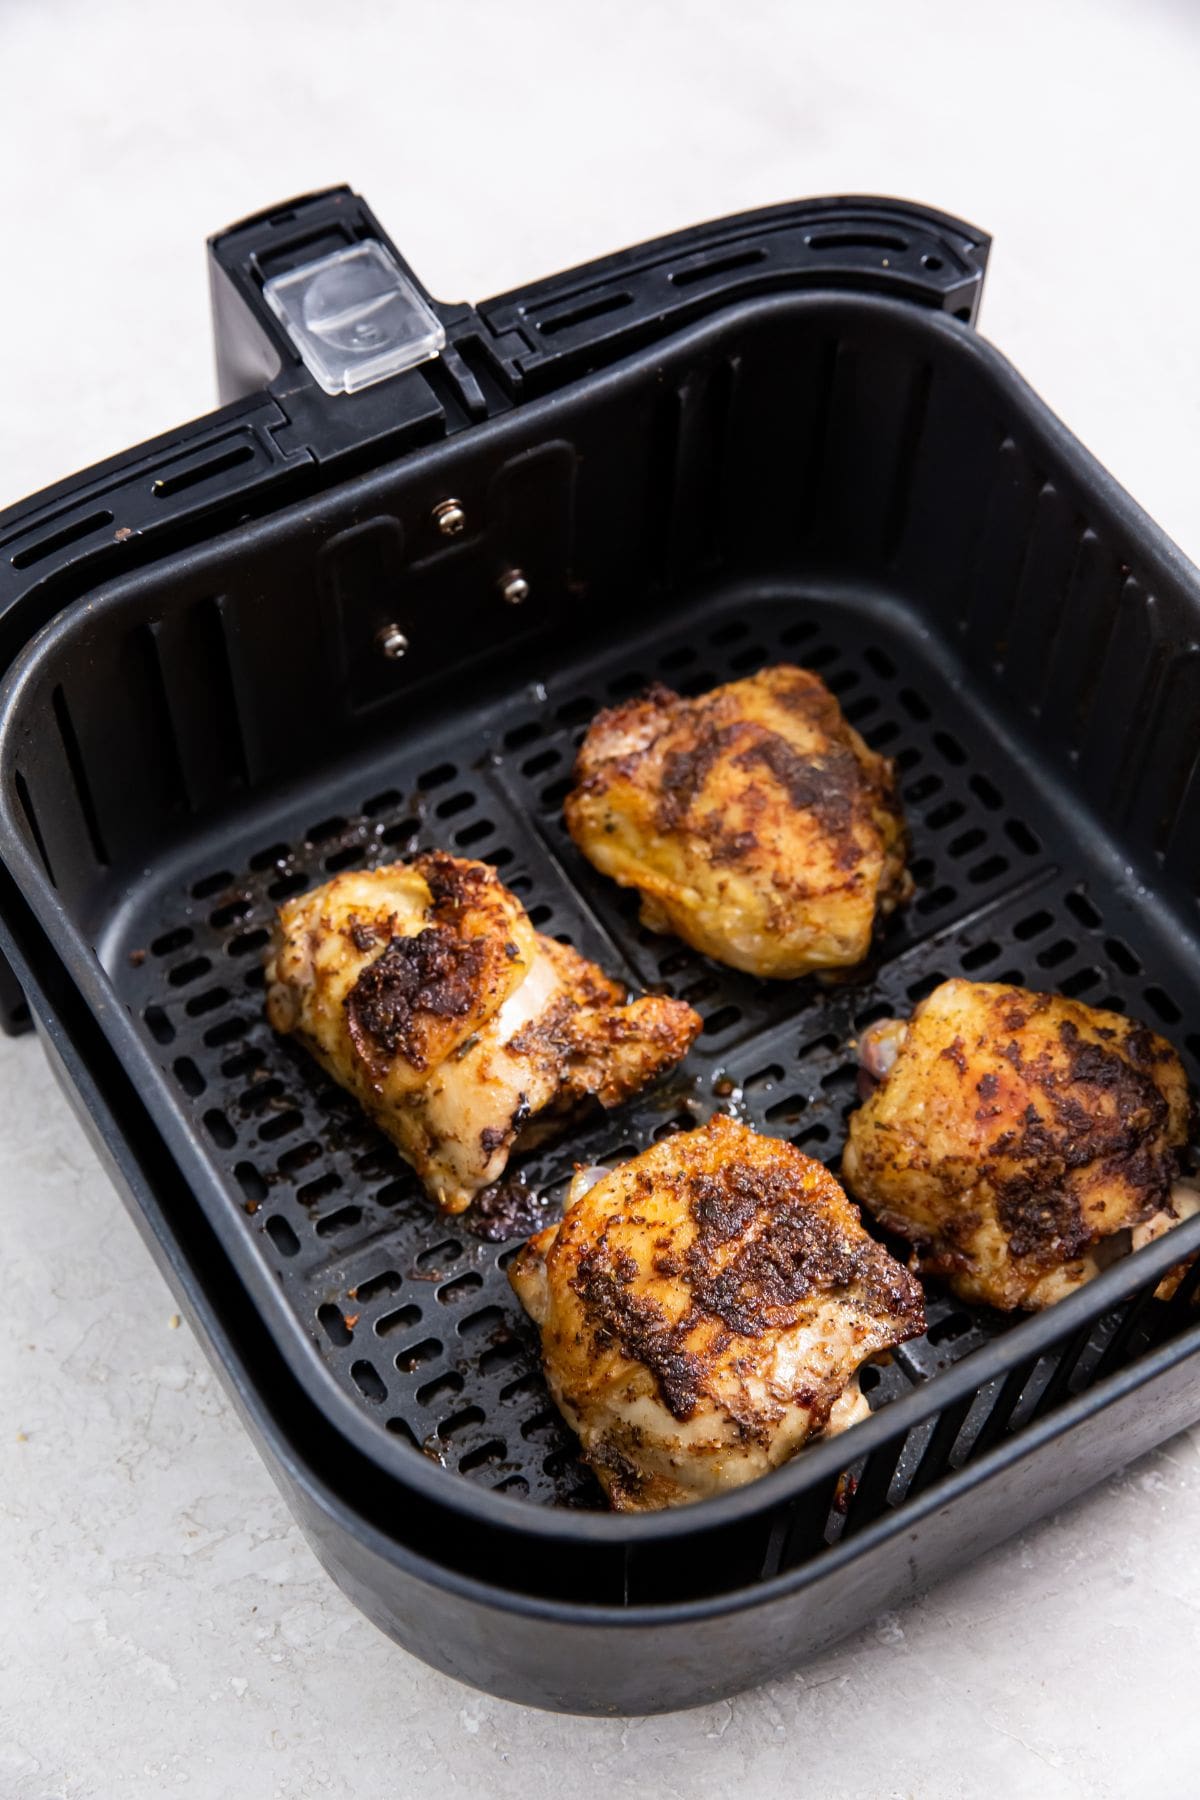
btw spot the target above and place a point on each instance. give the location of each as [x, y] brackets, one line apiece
[355, 317]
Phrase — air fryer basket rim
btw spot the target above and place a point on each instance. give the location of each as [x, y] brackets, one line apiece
[793, 1580]
[443, 1485]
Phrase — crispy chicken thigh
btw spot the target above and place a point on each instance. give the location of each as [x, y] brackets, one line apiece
[754, 821]
[1019, 1141]
[704, 1310]
[424, 989]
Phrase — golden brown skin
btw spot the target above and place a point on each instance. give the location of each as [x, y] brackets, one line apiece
[755, 823]
[704, 1311]
[1020, 1141]
[424, 989]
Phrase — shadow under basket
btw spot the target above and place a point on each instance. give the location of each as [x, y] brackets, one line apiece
[795, 465]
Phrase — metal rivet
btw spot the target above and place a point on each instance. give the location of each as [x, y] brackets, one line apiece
[514, 588]
[392, 642]
[449, 517]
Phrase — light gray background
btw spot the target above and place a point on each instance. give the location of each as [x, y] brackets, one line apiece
[162, 1625]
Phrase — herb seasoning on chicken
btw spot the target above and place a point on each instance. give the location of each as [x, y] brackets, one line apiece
[424, 989]
[1019, 1141]
[704, 1310]
[754, 821]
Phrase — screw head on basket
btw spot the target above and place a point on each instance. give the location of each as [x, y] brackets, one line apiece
[391, 641]
[514, 588]
[450, 518]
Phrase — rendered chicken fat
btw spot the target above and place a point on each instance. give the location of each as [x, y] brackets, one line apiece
[754, 821]
[425, 991]
[704, 1310]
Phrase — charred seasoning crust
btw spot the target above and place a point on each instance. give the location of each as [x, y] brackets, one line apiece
[638, 1326]
[839, 787]
[1096, 1111]
[830, 785]
[364, 937]
[684, 772]
[438, 971]
[435, 972]
[798, 1249]
[454, 884]
[1103, 1109]
[801, 1249]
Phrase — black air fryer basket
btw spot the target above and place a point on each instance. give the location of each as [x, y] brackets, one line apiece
[316, 630]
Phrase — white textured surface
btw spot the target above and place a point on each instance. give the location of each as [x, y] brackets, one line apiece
[162, 1625]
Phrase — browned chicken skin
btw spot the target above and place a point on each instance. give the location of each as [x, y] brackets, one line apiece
[704, 1311]
[754, 821]
[1019, 1141]
[466, 1035]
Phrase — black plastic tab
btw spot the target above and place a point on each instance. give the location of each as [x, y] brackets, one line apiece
[254, 350]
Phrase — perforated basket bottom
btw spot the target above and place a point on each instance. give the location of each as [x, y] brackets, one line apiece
[411, 1311]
